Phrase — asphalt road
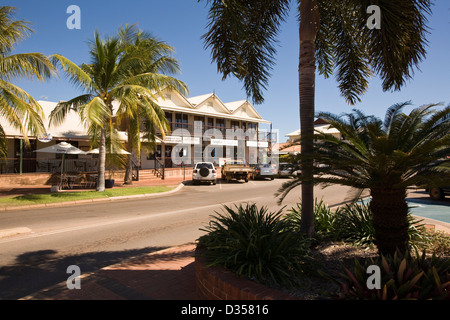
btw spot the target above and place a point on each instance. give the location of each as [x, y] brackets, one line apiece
[96, 235]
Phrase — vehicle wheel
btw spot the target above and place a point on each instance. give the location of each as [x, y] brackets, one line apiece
[214, 182]
[437, 194]
[204, 172]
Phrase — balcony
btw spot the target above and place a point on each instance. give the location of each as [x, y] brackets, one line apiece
[218, 132]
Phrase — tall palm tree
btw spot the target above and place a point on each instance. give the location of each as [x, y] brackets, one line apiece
[17, 107]
[334, 38]
[144, 120]
[386, 157]
[115, 75]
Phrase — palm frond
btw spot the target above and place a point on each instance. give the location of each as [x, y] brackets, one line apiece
[95, 112]
[59, 113]
[26, 65]
[76, 74]
[11, 31]
[20, 109]
[242, 38]
[3, 145]
[395, 50]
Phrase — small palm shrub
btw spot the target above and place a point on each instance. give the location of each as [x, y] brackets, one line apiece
[401, 277]
[352, 223]
[257, 244]
[355, 223]
[324, 219]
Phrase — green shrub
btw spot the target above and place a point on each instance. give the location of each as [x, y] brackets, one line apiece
[355, 223]
[324, 219]
[402, 277]
[352, 223]
[256, 244]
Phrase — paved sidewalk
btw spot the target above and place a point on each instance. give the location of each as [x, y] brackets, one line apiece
[163, 275]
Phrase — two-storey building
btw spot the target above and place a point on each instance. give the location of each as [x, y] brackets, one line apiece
[203, 128]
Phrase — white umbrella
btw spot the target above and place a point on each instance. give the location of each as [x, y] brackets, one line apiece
[96, 151]
[62, 148]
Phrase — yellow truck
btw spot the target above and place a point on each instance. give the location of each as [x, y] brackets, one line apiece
[237, 170]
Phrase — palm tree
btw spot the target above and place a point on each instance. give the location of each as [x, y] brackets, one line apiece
[144, 120]
[385, 157]
[115, 75]
[17, 107]
[334, 38]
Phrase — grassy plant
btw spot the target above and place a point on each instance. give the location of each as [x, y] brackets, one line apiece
[401, 277]
[352, 223]
[257, 244]
[355, 224]
[437, 242]
[324, 218]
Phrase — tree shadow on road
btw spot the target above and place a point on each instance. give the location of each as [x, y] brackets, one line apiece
[37, 270]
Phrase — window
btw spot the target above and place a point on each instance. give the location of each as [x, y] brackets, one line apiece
[156, 154]
[204, 165]
[168, 152]
[169, 119]
[220, 124]
[210, 123]
[235, 125]
[181, 120]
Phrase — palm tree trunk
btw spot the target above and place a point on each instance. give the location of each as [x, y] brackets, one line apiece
[102, 161]
[129, 165]
[309, 24]
[390, 214]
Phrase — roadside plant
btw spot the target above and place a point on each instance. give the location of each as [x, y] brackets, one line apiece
[355, 221]
[257, 244]
[324, 219]
[386, 157]
[356, 225]
[17, 107]
[402, 276]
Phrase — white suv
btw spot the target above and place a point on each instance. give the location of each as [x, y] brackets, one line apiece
[204, 171]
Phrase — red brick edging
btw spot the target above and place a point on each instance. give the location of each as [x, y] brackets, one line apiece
[216, 283]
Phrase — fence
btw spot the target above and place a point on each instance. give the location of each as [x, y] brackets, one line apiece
[12, 165]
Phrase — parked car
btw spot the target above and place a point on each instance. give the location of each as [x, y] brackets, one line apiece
[263, 171]
[204, 172]
[237, 170]
[288, 170]
[439, 193]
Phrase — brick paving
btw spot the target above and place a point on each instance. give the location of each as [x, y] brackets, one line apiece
[163, 275]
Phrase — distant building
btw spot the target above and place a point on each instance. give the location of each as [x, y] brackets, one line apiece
[320, 125]
[292, 146]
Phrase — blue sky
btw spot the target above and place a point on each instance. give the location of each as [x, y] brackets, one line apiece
[181, 23]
